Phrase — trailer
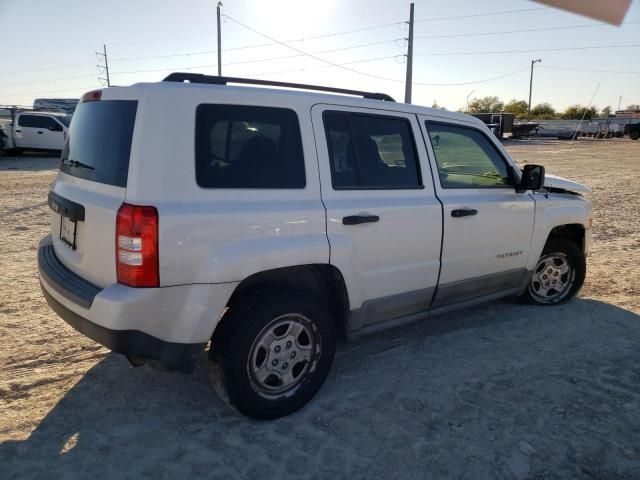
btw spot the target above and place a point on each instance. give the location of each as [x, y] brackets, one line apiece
[501, 124]
[601, 128]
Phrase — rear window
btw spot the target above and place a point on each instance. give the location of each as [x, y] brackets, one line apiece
[248, 147]
[99, 141]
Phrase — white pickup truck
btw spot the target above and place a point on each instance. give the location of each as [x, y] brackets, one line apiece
[37, 131]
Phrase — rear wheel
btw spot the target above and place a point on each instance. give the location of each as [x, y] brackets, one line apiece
[558, 275]
[275, 354]
[634, 134]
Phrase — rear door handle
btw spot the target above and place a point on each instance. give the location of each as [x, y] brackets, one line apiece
[464, 212]
[358, 219]
[39, 132]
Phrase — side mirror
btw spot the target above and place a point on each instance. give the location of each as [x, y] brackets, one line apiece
[532, 178]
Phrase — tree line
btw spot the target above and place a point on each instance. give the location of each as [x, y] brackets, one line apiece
[541, 111]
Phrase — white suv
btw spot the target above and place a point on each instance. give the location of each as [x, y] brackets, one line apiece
[273, 222]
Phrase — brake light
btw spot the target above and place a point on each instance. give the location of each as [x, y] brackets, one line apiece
[92, 96]
[137, 246]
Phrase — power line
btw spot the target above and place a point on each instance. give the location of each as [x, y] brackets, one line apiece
[254, 61]
[50, 91]
[428, 84]
[49, 68]
[320, 59]
[488, 14]
[208, 52]
[46, 81]
[588, 70]
[503, 32]
[473, 82]
[527, 51]
[257, 60]
[344, 67]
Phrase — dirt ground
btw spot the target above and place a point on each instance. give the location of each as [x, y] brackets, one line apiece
[501, 391]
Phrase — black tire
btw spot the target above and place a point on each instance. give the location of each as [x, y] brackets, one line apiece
[231, 353]
[563, 249]
[634, 134]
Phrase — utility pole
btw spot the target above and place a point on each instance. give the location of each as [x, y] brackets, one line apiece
[219, 40]
[531, 87]
[619, 101]
[466, 108]
[103, 68]
[106, 64]
[408, 80]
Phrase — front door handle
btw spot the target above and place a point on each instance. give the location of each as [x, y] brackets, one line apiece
[39, 132]
[358, 219]
[463, 212]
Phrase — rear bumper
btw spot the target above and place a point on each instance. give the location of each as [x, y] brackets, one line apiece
[173, 356]
[169, 325]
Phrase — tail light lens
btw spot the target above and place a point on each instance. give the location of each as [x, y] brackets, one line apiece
[92, 96]
[137, 246]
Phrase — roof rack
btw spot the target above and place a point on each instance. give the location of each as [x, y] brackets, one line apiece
[215, 80]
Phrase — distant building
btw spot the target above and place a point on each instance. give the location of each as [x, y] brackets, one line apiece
[66, 105]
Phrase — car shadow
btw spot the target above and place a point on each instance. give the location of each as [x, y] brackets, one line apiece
[30, 162]
[118, 421]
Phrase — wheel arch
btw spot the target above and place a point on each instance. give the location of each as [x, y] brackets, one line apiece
[575, 232]
[323, 281]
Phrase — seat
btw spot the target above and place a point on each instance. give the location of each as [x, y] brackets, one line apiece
[258, 163]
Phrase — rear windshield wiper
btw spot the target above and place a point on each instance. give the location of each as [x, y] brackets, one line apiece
[77, 164]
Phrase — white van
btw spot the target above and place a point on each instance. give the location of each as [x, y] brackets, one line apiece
[270, 222]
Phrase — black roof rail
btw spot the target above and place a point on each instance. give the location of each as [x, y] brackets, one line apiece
[215, 80]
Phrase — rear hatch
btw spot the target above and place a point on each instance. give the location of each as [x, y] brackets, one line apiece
[91, 187]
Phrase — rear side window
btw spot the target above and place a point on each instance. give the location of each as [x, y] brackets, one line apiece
[371, 151]
[36, 121]
[248, 147]
[99, 142]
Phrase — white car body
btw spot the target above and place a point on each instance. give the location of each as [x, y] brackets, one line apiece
[416, 261]
[35, 130]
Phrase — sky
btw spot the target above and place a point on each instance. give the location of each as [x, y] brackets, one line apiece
[463, 48]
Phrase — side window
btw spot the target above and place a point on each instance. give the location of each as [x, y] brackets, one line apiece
[52, 125]
[466, 158]
[248, 147]
[38, 121]
[370, 151]
[28, 121]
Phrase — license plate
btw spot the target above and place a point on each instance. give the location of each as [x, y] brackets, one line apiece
[68, 230]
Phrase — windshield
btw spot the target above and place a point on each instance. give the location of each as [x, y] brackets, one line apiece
[99, 141]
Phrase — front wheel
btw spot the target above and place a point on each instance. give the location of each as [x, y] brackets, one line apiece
[275, 355]
[558, 275]
[634, 134]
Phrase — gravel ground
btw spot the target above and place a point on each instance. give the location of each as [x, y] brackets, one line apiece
[500, 391]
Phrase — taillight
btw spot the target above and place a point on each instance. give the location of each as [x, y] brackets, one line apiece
[92, 96]
[137, 246]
